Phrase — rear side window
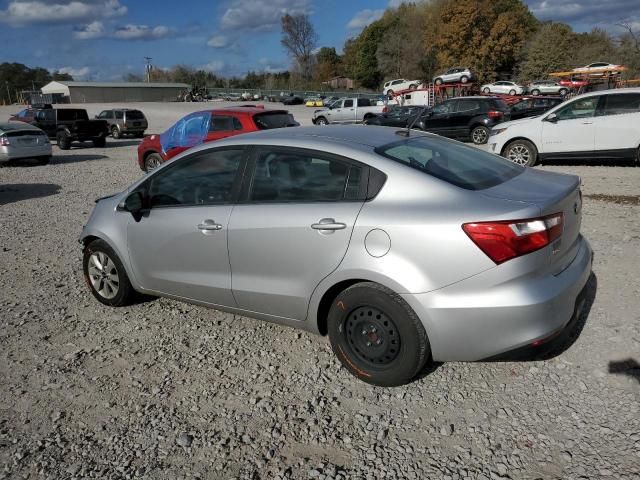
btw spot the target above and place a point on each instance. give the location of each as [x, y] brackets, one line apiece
[364, 102]
[292, 176]
[135, 115]
[468, 105]
[619, 103]
[499, 104]
[457, 164]
[221, 123]
[269, 120]
[119, 114]
[69, 114]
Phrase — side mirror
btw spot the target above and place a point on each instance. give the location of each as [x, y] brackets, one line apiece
[134, 204]
[552, 117]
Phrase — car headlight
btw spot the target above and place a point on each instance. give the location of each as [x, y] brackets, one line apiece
[497, 131]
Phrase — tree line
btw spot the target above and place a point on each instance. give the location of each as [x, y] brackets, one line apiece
[16, 77]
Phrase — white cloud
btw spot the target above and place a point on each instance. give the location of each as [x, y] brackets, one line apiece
[364, 18]
[92, 30]
[214, 66]
[75, 71]
[218, 41]
[590, 12]
[21, 12]
[142, 32]
[258, 15]
[270, 66]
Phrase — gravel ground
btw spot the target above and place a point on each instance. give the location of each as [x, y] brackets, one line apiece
[168, 390]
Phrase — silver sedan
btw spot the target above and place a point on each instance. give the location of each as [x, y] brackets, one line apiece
[403, 248]
[20, 141]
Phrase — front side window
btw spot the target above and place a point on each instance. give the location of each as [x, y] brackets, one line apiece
[582, 108]
[119, 115]
[221, 123]
[348, 104]
[452, 162]
[620, 103]
[468, 105]
[444, 107]
[203, 179]
[293, 176]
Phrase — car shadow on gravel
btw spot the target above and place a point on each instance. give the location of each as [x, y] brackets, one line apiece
[563, 341]
[588, 163]
[15, 192]
[61, 159]
[123, 143]
[629, 367]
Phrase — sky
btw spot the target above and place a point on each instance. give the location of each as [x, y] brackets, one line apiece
[107, 39]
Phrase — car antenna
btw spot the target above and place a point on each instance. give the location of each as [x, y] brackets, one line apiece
[407, 132]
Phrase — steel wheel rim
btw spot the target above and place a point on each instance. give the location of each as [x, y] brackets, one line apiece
[152, 163]
[372, 336]
[479, 135]
[519, 154]
[103, 275]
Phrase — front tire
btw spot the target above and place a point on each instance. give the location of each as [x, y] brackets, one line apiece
[521, 152]
[321, 121]
[389, 93]
[563, 91]
[480, 135]
[438, 81]
[377, 336]
[535, 92]
[486, 90]
[152, 162]
[105, 275]
[64, 143]
[512, 92]
[413, 86]
[464, 79]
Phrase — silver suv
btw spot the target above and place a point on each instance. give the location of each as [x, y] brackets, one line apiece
[123, 121]
[403, 247]
[546, 87]
[454, 75]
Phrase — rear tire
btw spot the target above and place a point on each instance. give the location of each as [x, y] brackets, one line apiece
[115, 132]
[152, 162]
[512, 92]
[377, 336]
[480, 135]
[521, 152]
[563, 91]
[105, 275]
[535, 92]
[64, 143]
[438, 81]
[486, 90]
[464, 79]
[389, 93]
[413, 86]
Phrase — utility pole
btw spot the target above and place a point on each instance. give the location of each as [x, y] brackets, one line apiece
[147, 68]
[8, 92]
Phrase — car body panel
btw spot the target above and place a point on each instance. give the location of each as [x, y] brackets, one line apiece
[281, 269]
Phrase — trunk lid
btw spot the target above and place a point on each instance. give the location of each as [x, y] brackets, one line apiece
[551, 193]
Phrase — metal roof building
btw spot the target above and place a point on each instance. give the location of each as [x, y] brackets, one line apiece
[105, 92]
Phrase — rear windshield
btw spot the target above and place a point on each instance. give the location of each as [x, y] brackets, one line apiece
[135, 115]
[269, 120]
[499, 104]
[24, 133]
[462, 166]
[70, 114]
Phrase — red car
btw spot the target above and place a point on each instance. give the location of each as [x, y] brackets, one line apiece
[208, 126]
[574, 82]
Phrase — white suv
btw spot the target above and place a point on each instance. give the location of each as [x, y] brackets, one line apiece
[602, 125]
[453, 75]
[393, 86]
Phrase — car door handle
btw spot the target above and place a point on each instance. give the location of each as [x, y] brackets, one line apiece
[587, 123]
[208, 226]
[328, 224]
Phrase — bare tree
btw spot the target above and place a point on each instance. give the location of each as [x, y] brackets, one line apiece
[299, 38]
[632, 35]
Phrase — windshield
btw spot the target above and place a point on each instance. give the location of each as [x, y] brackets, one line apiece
[460, 165]
[269, 120]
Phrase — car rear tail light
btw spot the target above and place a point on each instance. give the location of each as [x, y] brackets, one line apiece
[4, 141]
[504, 240]
[495, 114]
[384, 109]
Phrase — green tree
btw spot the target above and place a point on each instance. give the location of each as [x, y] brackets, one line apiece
[551, 49]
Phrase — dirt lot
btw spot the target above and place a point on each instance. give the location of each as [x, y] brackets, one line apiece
[168, 390]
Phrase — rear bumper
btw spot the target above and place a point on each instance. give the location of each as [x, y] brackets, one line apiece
[469, 321]
[11, 153]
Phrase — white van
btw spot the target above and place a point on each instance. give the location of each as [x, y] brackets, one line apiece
[602, 125]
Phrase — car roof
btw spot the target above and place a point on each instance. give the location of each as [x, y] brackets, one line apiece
[608, 92]
[9, 126]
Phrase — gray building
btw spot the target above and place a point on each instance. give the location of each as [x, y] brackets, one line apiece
[105, 92]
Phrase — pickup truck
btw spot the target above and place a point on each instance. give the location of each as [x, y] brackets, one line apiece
[68, 125]
[347, 110]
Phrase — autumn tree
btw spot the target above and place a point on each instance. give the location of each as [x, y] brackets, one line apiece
[299, 39]
[327, 64]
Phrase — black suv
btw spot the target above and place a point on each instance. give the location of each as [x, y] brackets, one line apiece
[532, 106]
[68, 125]
[465, 118]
